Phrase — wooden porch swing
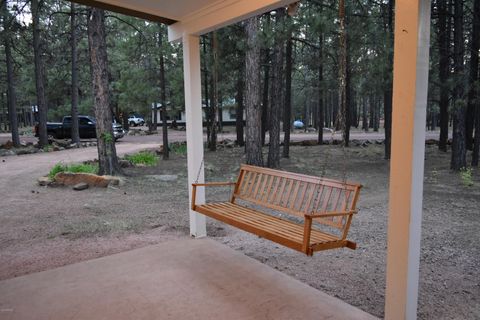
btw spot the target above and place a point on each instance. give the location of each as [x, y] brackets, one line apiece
[263, 198]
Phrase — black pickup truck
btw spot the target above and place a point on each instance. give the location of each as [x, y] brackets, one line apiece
[86, 126]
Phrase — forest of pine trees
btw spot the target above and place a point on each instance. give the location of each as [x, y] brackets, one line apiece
[326, 62]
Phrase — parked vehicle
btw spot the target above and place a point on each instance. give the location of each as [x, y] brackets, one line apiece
[298, 124]
[86, 127]
[136, 120]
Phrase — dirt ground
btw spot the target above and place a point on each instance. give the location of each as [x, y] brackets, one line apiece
[42, 228]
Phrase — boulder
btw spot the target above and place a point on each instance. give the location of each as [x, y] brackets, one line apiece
[113, 181]
[27, 150]
[309, 143]
[93, 180]
[44, 181]
[124, 163]
[8, 145]
[4, 153]
[80, 186]
[65, 143]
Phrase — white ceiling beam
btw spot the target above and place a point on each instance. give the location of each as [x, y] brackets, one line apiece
[220, 14]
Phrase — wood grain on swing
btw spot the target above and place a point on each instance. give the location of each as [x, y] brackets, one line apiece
[326, 202]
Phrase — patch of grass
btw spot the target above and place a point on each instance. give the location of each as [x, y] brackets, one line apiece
[467, 176]
[179, 148]
[74, 168]
[143, 158]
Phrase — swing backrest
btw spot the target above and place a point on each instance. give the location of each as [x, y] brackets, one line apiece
[296, 194]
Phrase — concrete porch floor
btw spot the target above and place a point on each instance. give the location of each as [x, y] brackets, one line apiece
[185, 279]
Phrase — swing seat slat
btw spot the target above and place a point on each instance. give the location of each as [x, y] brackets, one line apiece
[283, 207]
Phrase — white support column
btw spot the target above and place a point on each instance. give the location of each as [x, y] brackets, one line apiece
[410, 85]
[193, 114]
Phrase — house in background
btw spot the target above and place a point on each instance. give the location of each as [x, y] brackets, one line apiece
[227, 116]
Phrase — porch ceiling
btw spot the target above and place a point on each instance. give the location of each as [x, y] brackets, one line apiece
[193, 17]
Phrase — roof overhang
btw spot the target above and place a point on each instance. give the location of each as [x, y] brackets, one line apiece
[189, 17]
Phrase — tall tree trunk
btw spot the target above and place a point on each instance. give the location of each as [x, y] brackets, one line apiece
[371, 101]
[321, 111]
[348, 100]
[73, 39]
[276, 100]
[474, 93]
[240, 105]
[459, 151]
[364, 114]
[163, 93]
[4, 113]
[376, 114]
[443, 72]
[206, 85]
[287, 119]
[154, 125]
[342, 72]
[39, 75]
[253, 101]
[107, 154]
[11, 94]
[212, 146]
[266, 92]
[387, 93]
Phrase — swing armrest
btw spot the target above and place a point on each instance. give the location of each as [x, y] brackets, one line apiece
[209, 184]
[331, 214]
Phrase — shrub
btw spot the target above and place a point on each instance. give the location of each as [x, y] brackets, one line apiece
[74, 168]
[145, 158]
[466, 175]
[179, 148]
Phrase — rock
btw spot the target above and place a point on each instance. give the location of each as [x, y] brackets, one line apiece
[309, 143]
[8, 145]
[61, 143]
[44, 181]
[26, 151]
[93, 180]
[124, 163]
[4, 153]
[80, 186]
[74, 145]
[160, 150]
[113, 181]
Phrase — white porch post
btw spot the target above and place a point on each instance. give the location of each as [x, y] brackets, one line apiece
[410, 84]
[193, 114]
